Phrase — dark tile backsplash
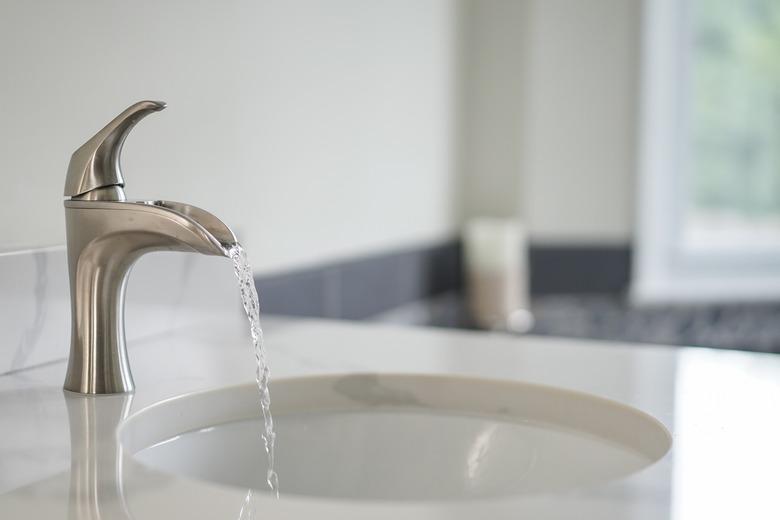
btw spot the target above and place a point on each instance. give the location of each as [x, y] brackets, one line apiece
[577, 292]
[359, 288]
[579, 269]
[311, 292]
[362, 287]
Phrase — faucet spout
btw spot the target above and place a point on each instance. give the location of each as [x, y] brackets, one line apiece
[104, 241]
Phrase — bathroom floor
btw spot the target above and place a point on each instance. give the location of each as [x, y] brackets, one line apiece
[754, 326]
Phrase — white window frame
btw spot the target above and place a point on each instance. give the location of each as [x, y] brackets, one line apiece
[661, 273]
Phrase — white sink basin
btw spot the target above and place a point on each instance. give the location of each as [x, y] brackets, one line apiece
[399, 437]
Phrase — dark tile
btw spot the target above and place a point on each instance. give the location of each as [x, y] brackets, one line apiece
[362, 287]
[378, 283]
[302, 293]
[445, 268]
[578, 270]
[372, 285]
[426, 272]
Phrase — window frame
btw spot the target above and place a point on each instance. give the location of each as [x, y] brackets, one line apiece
[663, 271]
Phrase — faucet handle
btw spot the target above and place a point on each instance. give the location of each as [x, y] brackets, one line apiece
[96, 163]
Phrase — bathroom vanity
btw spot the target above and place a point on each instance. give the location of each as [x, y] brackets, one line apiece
[66, 455]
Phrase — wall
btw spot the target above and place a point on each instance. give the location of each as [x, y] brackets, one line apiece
[317, 129]
[493, 82]
[581, 109]
[324, 130]
[550, 116]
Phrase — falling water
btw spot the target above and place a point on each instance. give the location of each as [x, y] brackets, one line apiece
[252, 308]
[248, 507]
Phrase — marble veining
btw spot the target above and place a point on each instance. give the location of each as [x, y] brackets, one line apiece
[34, 297]
[32, 333]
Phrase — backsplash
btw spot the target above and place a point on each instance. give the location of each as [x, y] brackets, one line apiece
[360, 288]
[357, 288]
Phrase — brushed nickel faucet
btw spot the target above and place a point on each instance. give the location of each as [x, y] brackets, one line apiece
[106, 234]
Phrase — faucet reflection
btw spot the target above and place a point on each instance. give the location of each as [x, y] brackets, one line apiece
[96, 490]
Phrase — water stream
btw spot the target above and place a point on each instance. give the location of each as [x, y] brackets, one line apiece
[251, 305]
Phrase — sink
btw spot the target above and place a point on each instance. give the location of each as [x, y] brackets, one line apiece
[399, 437]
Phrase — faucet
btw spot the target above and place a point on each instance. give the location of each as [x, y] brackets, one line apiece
[106, 234]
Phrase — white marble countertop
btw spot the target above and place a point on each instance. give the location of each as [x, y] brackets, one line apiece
[722, 407]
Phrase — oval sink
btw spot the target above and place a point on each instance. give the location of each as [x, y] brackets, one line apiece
[399, 437]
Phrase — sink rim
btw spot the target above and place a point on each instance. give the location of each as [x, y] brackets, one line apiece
[136, 433]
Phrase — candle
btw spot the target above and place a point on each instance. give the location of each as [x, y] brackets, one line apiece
[496, 269]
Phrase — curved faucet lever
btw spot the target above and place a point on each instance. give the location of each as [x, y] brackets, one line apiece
[96, 163]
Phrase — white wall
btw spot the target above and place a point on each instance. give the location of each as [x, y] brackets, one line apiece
[321, 130]
[550, 116]
[316, 129]
[493, 83]
[581, 109]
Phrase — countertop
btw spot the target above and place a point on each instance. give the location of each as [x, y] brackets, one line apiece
[722, 408]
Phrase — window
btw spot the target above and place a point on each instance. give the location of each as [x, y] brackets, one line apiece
[709, 187]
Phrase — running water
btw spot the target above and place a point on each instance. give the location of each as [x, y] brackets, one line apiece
[251, 305]
[248, 507]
